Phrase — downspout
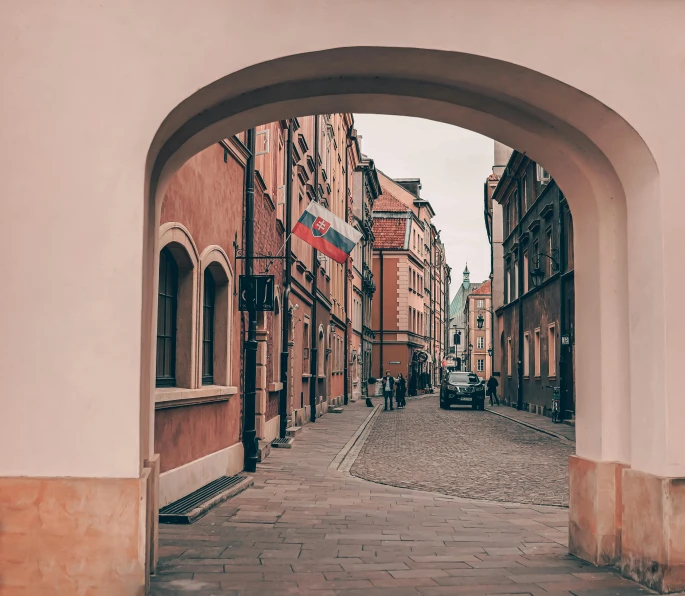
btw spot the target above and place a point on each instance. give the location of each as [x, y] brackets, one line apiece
[562, 311]
[489, 225]
[364, 388]
[314, 351]
[250, 432]
[380, 363]
[285, 305]
[519, 298]
[346, 340]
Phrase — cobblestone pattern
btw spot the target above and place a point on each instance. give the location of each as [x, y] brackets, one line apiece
[465, 453]
[307, 530]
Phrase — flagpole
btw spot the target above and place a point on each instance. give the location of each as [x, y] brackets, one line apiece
[271, 262]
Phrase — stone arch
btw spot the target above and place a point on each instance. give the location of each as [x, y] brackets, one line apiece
[573, 135]
[177, 239]
[215, 259]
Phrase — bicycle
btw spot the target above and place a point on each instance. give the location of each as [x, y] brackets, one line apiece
[556, 403]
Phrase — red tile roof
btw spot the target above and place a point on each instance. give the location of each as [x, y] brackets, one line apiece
[389, 233]
[388, 202]
[485, 288]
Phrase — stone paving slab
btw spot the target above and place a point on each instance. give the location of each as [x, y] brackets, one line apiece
[308, 529]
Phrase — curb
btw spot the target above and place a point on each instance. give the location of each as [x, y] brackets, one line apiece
[339, 459]
[537, 428]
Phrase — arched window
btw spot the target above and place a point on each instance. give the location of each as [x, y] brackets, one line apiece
[208, 303]
[166, 320]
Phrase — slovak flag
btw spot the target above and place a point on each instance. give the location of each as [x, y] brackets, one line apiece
[326, 232]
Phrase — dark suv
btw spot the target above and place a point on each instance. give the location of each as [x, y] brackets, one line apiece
[462, 388]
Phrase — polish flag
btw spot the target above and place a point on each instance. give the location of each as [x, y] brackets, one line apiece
[326, 232]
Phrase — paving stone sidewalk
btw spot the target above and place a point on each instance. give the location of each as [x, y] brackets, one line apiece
[465, 453]
[566, 431]
[308, 528]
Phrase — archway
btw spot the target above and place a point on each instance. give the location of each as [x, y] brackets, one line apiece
[479, 74]
[592, 177]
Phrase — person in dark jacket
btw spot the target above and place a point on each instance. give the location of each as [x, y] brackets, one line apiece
[401, 388]
[492, 389]
[388, 388]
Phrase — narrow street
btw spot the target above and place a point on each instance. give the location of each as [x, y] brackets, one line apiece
[465, 453]
[308, 527]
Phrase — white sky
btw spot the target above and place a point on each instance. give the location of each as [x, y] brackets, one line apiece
[453, 164]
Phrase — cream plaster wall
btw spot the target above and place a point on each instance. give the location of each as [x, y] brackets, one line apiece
[100, 104]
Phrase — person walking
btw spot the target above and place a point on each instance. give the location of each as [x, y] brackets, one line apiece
[492, 389]
[401, 391]
[388, 389]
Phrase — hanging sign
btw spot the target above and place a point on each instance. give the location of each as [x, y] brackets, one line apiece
[256, 293]
[565, 339]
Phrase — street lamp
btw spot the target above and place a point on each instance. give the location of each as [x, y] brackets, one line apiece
[537, 273]
[480, 320]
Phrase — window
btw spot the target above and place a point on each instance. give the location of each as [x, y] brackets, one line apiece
[507, 289]
[480, 343]
[542, 174]
[481, 364]
[516, 280]
[525, 271]
[208, 302]
[509, 356]
[526, 354]
[305, 350]
[507, 225]
[537, 352]
[480, 304]
[167, 306]
[551, 351]
[549, 252]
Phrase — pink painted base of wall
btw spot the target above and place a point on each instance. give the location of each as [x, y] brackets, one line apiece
[73, 536]
[654, 531]
[595, 510]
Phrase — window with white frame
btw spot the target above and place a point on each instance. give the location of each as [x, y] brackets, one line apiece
[537, 352]
[508, 287]
[481, 364]
[516, 280]
[525, 272]
[551, 351]
[526, 354]
[480, 303]
[480, 343]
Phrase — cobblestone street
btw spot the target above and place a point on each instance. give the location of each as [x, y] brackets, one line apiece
[307, 527]
[465, 453]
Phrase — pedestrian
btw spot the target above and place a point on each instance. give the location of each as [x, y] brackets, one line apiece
[492, 389]
[401, 385]
[388, 389]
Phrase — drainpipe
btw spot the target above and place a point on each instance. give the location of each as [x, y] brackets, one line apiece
[250, 432]
[346, 340]
[314, 351]
[285, 305]
[364, 388]
[380, 363]
[563, 350]
[489, 226]
[519, 298]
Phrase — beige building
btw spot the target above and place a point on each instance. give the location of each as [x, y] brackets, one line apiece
[478, 317]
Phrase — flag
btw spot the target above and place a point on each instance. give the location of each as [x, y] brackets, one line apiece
[326, 232]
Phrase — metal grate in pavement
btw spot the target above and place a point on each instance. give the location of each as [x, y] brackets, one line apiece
[282, 441]
[194, 500]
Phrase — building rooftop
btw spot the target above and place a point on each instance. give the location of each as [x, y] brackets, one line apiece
[484, 288]
[389, 232]
[388, 202]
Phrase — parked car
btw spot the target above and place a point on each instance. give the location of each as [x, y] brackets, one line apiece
[462, 388]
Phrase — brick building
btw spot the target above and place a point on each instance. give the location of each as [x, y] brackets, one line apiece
[536, 321]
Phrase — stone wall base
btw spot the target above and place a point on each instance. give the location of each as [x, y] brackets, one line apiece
[74, 535]
[595, 510]
[654, 531]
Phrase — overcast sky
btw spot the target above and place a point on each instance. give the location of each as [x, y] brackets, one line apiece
[453, 164]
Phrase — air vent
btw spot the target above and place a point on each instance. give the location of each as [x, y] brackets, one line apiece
[196, 504]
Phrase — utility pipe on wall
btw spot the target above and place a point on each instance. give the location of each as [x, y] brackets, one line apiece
[286, 315]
